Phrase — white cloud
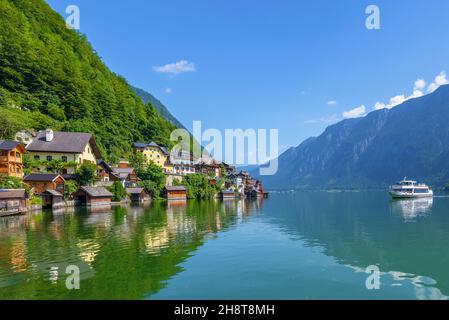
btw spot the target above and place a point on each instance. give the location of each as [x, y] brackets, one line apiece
[440, 80]
[379, 105]
[355, 113]
[395, 101]
[176, 68]
[168, 90]
[420, 84]
[332, 103]
[327, 120]
[418, 91]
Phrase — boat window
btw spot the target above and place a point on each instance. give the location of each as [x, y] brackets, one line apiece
[421, 190]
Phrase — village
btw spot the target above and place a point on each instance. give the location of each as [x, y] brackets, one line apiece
[55, 170]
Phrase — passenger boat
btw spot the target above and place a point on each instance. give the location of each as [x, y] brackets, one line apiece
[410, 189]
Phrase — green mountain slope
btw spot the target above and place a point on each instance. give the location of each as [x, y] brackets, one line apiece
[51, 77]
[149, 98]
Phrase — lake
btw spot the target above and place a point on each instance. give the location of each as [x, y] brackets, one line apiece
[297, 245]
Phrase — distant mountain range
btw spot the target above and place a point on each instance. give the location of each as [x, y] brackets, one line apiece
[148, 97]
[410, 140]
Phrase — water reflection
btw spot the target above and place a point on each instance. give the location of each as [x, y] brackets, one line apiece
[359, 229]
[123, 253]
[410, 209]
[136, 252]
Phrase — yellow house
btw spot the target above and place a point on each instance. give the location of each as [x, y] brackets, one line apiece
[11, 159]
[70, 147]
[153, 152]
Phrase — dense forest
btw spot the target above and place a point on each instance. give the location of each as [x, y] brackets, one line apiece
[51, 77]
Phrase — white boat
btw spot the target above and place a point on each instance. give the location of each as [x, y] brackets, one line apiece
[410, 189]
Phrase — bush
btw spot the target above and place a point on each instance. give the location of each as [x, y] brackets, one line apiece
[118, 190]
[70, 187]
[199, 187]
[150, 187]
[11, 183]
[86, 174]
[152, 178]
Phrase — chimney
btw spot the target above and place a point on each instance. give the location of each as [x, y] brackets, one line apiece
[49, 135]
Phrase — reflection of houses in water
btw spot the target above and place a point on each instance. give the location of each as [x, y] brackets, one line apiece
[179, 223]
[156, 239]
[13, 258]
[177, 204]
[252, 205]
[88, 250]
[18, 255]
[100, 219]
[12, 224]
[412, 208]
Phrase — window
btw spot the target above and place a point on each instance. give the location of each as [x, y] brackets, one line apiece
[37, 158]
[18, 155]
[64, 159]
[422, 191]
[49, 158]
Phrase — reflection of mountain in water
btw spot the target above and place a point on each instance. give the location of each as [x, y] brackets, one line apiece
[127, 254]
[410, 209]
[359, 230]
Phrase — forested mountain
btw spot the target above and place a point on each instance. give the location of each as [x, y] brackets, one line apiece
[409, 140]
[149, 98]
[51, 77]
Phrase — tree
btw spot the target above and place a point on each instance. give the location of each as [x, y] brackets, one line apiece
[154, 174]
[199, 186]
[223, 170]
[137, 161]
[150, 187]
[70, 187]
[86, 174]
[118, 190]
[50, 77]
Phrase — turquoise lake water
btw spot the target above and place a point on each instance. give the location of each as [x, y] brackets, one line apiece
[302, 245]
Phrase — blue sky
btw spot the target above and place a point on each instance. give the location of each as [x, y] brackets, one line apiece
[270, 64]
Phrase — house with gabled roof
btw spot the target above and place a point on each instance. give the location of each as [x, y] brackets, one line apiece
[12, 202]
[156, 153]
[125, 173]
[92, 196]
[41, 182]
[11, 158]
[71, 147]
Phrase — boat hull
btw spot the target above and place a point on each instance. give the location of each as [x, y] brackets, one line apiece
[401, 195]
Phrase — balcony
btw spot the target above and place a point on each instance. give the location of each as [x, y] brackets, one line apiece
[4, 159]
